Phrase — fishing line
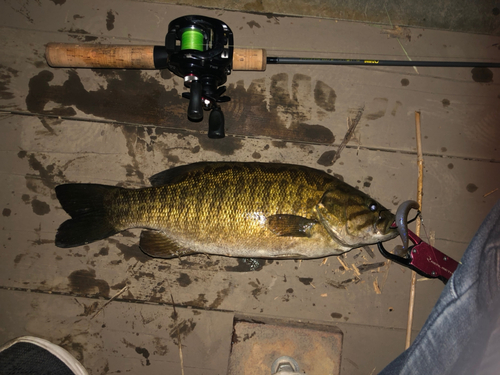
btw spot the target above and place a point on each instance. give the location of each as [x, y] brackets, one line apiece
[426, 234]
[192, 38]
[415, 218]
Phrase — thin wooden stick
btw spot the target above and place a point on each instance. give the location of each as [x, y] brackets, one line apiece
[491, 192]
[351, 127]
[181, 357]
[420, 161]
[175, 317]
[123, 290]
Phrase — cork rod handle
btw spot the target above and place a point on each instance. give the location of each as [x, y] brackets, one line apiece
[99, 56]
[66, 55]
[249, 59]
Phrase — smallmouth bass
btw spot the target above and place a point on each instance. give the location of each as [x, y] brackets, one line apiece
[251, 210]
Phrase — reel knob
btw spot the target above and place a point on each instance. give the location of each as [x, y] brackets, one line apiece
[216, 124]
[195, 110]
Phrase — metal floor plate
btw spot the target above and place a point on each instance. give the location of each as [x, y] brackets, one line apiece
[256, 345]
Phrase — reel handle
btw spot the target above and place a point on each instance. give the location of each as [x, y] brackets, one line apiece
[69, 55]
[195, 109]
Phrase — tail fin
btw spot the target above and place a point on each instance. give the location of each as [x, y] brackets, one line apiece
[89, 222]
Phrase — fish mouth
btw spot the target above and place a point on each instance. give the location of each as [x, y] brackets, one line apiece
[390, 226]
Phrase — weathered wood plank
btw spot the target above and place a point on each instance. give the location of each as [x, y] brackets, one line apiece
[123, 337]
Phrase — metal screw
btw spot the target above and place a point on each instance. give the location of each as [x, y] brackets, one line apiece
[285, 365]
[445, 258]
[414, 250]
[433, 273]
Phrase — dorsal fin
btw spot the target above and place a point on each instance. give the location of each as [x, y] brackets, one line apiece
[180, 173]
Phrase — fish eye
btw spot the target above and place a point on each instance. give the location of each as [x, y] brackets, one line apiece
[373, 207]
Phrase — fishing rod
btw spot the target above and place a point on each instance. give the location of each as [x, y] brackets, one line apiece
[201, 50]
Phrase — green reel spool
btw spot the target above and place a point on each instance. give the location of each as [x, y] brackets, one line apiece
[192, 39]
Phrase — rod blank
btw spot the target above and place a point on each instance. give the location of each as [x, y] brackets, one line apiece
[325, 61]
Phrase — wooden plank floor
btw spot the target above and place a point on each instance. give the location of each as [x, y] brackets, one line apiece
[120, 127]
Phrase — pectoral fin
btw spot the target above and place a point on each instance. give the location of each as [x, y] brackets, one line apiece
[159, 245]
[290, 225]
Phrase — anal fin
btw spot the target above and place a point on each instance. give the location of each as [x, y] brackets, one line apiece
[290, 225]
[159, 245]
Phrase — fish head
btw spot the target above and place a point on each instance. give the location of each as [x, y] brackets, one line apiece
[355, 219]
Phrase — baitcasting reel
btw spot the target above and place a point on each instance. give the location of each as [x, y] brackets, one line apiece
[200, 50]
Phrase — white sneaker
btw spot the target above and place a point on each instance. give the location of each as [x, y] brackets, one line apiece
[36, 356]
